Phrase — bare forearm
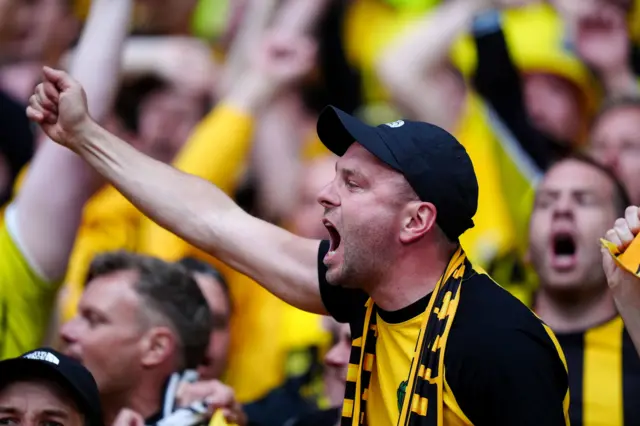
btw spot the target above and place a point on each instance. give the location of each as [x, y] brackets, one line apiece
[207, 218]
[277, 148]
[409, 67]
[253, 26]
[97, 61]
[59, 183]
[169, 197]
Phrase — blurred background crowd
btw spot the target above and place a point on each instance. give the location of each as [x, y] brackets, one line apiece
[229, 90]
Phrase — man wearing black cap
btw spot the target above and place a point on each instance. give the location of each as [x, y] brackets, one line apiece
[393, 268]
[44, 386]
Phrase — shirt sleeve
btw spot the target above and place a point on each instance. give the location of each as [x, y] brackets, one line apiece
[343, 304]
[26, 297]
[508, 377]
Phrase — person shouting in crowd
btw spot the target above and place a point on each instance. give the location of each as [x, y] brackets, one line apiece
[392, 264]
[41, 224]
[140, 323]
[575, 204]
[47, 387]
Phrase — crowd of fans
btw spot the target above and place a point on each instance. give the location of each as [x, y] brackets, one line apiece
[544, 96]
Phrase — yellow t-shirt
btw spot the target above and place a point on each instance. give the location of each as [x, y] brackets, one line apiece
[394, 348]
[110, 222]
[26, 298]
[493, 234]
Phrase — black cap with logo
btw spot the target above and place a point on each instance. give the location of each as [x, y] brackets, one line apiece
[67, 372]
[434, 163]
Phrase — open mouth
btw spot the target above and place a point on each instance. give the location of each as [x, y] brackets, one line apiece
[334, 236]
[564, 248]
[564, 245]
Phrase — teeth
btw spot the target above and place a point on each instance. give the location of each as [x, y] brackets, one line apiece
[332, 252]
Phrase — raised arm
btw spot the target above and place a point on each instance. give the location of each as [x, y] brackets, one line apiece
[48, 208]
[189, 206]
[414, 67]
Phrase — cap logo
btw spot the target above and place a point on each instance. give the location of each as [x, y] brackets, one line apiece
[43, 356]
[395, 124]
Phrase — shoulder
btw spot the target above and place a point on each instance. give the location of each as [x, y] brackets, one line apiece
[502, 363]
[346, 305]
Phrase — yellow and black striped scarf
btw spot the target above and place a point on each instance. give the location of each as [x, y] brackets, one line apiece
[423, 403]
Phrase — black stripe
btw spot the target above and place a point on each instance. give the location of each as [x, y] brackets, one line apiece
[350, 388]
[406, 313]
[354, 357]
[630, 381]
[573, 348]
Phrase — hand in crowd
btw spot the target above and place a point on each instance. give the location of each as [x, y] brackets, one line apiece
[59, 106]
[218, 397]
[285, 58]
[128, 417]
[621, 282]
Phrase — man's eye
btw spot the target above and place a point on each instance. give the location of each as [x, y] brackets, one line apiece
[9, 421]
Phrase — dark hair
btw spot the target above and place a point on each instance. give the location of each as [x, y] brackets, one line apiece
[169, 290]
[195, 265]
[621, 198]
[614, 104]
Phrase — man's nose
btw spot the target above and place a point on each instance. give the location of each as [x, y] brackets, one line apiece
[328, 196]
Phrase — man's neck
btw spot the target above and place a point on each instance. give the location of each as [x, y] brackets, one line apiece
[411, 278]
[577, 313]
[145, 399]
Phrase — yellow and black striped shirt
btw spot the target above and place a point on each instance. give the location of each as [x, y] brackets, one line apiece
[604, 375]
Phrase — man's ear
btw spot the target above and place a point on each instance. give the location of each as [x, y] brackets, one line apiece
[418, 219]
[157, 345]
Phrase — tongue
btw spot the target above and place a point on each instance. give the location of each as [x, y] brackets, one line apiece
[564, 261]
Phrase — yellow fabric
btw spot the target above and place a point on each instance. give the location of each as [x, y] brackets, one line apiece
[493, 233]
[536, 39]
[109, 223]
[219, 420]
[26, 301]
[630, 259]
[602, 383]
[535, 35]
[394, 351]
[371, 25]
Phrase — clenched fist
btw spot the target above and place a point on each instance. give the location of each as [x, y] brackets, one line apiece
[622, 282]
[59, 106]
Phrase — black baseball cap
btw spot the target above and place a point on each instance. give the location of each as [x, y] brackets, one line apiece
[434, 163]
[66, 371]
